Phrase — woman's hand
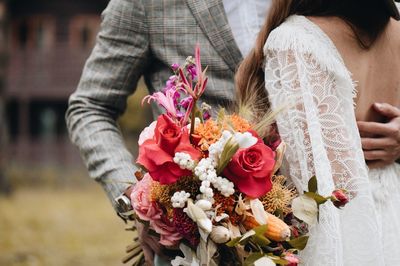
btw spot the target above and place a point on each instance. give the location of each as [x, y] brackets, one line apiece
[385, 148]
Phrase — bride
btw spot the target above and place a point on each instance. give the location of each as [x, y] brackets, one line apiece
[326, 62]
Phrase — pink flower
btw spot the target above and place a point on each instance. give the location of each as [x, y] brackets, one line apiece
[185, 102]
[167, 100]
[292, 259]
[175, 66]
[206, 115]
[145, 208]
[171, 85]
[147, 133]
[148, 210]
[191, 69]
[165, 228]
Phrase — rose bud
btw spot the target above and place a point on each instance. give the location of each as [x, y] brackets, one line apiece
[295, 232]
[339, 198]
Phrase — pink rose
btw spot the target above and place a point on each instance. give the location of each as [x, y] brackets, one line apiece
[147, 133]
[251, 169]
[167, 231]
[157, 154]
[146, 209]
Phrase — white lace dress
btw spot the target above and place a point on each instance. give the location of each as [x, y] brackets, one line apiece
[305, 72]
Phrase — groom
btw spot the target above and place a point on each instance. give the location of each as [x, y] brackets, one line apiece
[143, 38]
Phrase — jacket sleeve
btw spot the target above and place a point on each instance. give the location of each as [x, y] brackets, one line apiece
[110, 74]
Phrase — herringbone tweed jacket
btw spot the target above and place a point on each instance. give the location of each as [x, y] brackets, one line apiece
[143, 38]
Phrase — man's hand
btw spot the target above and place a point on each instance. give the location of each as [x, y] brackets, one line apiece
[384, 148]
[148, 243]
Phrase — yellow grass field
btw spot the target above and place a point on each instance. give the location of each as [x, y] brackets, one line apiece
[60, 227]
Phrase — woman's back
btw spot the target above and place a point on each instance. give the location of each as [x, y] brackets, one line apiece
[376, 70]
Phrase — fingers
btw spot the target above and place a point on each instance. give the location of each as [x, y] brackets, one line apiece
[381, 129]
[377, 164]
[384, 155]
[375, 155]
[378, 143]
[387, 110]
[144, 243]
[149, 243]
[148, 254]
[153, 243]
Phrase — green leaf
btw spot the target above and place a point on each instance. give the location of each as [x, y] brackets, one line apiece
[246, 236]
[313, 184]
[261, 240]
[229, 150]
[234, 242]
[253, 258]
[299, 243]
[261, 229]
[243, 239]
[318, 198]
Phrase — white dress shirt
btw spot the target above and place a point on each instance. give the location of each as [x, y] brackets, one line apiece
[246, 18]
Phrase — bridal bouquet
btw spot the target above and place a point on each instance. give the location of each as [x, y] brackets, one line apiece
[211, 189]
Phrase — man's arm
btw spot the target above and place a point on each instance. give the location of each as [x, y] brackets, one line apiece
[111, 73]
[385, 149]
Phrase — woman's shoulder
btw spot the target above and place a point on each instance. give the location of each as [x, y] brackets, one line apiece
[296, 33]
[299, 35]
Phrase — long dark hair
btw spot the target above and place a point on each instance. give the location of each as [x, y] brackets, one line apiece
[367, 18]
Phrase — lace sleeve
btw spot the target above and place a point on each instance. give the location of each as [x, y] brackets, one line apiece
[320, 139]
[304, 75]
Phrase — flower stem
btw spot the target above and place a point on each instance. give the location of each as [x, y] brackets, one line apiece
[193, 118]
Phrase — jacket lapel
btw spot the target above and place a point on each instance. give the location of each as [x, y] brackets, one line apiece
[211, 17]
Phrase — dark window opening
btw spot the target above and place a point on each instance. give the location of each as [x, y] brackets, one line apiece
[23, 31]
[12, 119]
[40, 35]
[85, 36]
[46, 119]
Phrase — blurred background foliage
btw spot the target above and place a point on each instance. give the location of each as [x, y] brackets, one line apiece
[51, 212]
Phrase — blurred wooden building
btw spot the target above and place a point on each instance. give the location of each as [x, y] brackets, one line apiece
[49, 42]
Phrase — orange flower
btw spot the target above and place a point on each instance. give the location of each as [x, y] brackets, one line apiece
[210, 132]
[238, 123]
[207, 133]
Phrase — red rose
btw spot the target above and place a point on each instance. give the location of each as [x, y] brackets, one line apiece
[157, 154]
[251, 169]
